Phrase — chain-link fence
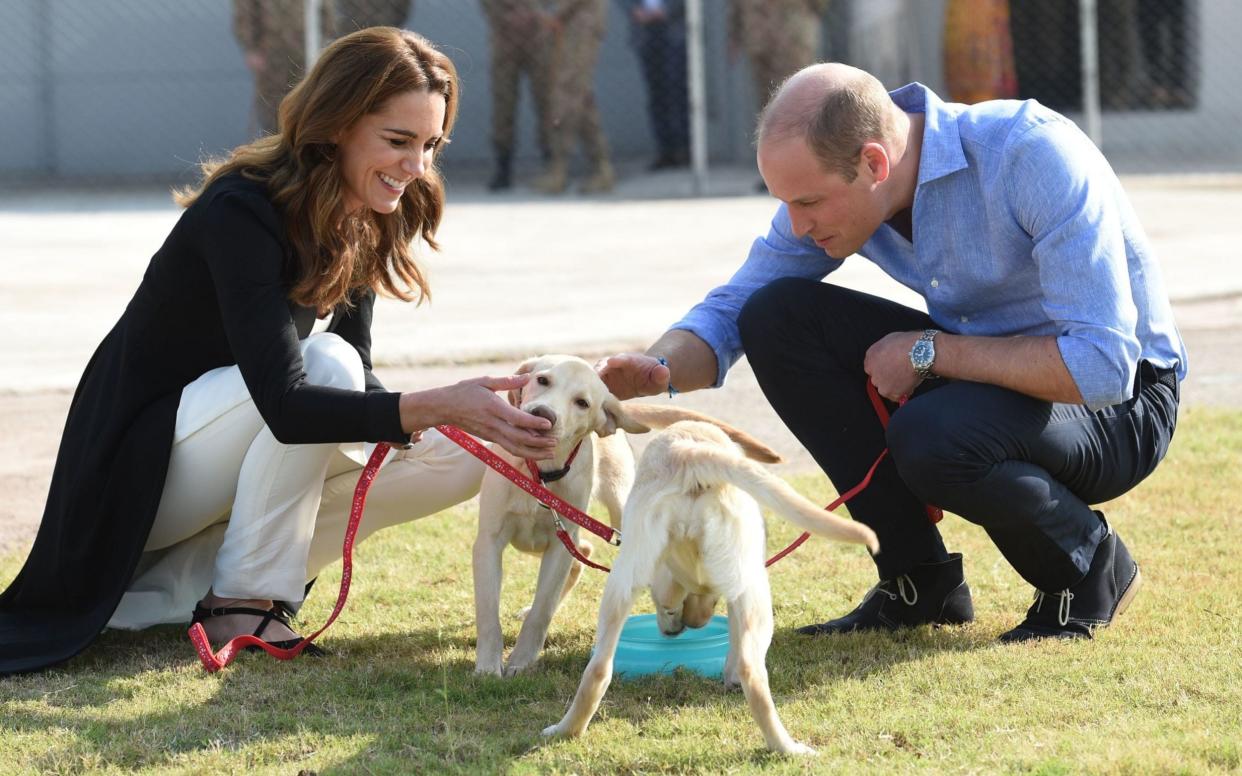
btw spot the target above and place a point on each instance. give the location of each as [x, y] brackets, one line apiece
[580, 92]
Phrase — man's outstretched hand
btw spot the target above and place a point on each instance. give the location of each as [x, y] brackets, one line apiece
[630, 375]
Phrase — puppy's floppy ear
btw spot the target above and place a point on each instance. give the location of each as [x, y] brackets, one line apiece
[525, 368]
[615, 417]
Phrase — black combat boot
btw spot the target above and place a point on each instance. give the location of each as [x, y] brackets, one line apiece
[934, 593]
[1075, 613]
[503, 179]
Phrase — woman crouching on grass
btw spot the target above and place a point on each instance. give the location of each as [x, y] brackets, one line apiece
[211, 450]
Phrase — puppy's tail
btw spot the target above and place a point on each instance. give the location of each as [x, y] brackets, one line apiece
[707, 464]
[658, 416]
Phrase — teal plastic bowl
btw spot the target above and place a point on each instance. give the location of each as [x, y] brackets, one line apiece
[643, 650]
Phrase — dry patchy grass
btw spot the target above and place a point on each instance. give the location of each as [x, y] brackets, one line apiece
[1156, 693]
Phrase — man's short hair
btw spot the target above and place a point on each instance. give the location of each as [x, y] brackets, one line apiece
[835, 123]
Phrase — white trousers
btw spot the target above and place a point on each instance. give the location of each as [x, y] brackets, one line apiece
[250, 517]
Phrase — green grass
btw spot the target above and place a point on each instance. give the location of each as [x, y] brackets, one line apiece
[1157, 693]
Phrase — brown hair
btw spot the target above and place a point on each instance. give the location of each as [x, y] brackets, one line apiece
[836, 124]
[354, 77]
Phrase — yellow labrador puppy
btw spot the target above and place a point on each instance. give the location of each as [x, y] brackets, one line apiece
[694, 532]
[567, 391]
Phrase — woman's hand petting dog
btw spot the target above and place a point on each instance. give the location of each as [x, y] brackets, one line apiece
[474, 407]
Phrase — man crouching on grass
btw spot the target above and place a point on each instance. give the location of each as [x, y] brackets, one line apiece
[1043, 378]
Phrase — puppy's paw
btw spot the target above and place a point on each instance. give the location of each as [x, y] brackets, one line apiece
[553, 731]
[516, 667]
[799, 750]
[487, 668]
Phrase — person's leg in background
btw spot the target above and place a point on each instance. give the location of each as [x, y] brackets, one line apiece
[662, 51]
[505, 71]
[676, 95]
[576, 115]
[806, 341]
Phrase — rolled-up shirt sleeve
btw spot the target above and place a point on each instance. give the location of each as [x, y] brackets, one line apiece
[1058, 188]
[778, 254]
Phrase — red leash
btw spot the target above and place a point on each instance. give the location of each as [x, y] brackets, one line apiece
[214, 661]
[934, 514]
[541, 477]
[560, 508]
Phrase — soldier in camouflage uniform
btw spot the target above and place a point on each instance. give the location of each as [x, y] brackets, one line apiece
[522, 41]
[360, 14]
[779, 37]
[272, 36]
[579, 26]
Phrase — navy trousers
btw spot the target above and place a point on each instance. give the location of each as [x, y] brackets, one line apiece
[1025, 470]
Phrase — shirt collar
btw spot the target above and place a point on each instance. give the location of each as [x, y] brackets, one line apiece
[942, 144]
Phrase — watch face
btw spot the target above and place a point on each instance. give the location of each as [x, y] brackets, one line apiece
[923, 354]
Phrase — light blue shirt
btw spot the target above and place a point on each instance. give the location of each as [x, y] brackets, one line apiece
[1021, 227]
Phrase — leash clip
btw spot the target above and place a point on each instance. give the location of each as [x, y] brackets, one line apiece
[614, 540]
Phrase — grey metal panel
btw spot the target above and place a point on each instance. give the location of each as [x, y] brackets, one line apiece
[134, 37]
[19, 39]
[147, 127]
[22, 140]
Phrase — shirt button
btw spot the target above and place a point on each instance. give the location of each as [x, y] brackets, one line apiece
[965, 319]
[935, 283]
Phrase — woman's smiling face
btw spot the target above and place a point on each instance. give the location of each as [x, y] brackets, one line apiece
[385, 151]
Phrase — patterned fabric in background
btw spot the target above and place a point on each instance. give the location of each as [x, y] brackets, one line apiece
[978, 51]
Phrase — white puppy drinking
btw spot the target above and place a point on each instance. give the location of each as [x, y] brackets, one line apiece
[693, 532]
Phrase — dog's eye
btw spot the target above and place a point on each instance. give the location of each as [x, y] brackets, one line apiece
[583, 403]
[542, 380]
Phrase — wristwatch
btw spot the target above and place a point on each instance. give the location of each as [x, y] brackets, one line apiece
[923, 354]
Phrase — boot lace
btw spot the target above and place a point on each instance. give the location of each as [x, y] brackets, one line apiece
[903, 582]
[1063, 608]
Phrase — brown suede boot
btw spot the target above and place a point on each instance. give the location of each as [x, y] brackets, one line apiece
[554, 179]
[601, 180]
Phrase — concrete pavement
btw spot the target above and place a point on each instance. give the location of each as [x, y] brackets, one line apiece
[521, 275]
[517, 274]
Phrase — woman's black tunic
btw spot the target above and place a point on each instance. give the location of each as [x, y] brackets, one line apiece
[214, 294]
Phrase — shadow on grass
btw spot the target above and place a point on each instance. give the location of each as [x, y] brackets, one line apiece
[142, 700]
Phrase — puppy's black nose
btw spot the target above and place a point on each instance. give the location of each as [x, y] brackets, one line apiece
[544, 412]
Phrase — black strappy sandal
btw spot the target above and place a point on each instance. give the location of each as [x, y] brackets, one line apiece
[277, 613]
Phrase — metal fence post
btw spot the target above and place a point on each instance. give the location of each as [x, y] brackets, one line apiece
[1090, 47]
[696, 75]
[312, 31]
[49, 137]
